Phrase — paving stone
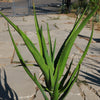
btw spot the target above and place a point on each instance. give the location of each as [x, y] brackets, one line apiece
[3, 25]
[20, 82]
[39, 96]
[90, 73]
[6, 49]
[60, 26]
[5, 37]
[74, 94]
[25, 54]
[89, 94]
[4, 61]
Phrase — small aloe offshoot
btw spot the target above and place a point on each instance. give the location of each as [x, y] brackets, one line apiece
[53, 67]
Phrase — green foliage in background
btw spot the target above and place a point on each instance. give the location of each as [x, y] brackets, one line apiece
[92, 5]
[53, 67]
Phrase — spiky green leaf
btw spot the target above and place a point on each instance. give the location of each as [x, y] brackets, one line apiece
[50, 43]
[68, 45]
[66, 75]
[70, 86]
[54, 47]
[69, 82]
[39, 59]
[38, 30]
[26, 68]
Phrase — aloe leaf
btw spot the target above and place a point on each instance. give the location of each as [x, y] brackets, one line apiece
[39, 59]
[51, 80]
[52, 51]
[50, 43]
[45, 53]
[42, 44]
[48, 62]
[87, 47]
[18, 53]
[56, 88]
[78, 65]
[69, 36]
[40, 87]
[66, 75]
[26, 68]
[68, 45]
[46, 89]
[54, 47]
[37, 30]
[44, 47]
[70, 86]
[78, 21]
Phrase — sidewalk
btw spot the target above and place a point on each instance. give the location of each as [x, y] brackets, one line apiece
[13, 77]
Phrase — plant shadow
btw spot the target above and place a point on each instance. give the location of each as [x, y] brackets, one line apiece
[92, 78]
[97, 40]
[92, 75]
[6, 92]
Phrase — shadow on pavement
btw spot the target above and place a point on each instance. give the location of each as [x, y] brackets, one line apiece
[86, 37]
[6, 93]
[92, 76]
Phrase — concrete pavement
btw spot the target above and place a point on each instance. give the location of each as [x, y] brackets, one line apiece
[13, 77]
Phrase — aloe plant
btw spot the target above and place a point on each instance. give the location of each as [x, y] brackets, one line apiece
[53, 67]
